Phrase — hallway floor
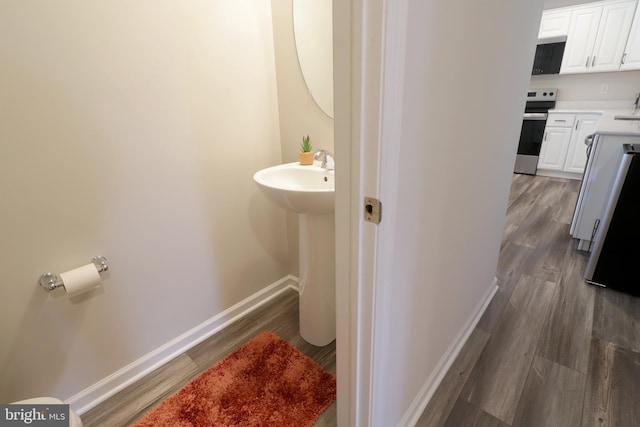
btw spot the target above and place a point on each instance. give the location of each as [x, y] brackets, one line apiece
[550, 350]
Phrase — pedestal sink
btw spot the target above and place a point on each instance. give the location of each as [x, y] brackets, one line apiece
[309, 191]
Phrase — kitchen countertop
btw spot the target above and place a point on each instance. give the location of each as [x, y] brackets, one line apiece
[607, 124]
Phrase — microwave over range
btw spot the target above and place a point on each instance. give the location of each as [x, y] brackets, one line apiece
[548, 58]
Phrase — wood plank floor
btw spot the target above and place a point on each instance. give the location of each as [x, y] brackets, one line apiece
[279, 316]
[550, 350]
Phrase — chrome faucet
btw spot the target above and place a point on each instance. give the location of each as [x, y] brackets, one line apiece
[328, 161]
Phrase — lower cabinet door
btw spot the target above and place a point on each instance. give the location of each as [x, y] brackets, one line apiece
[577, 154]
[554, 148]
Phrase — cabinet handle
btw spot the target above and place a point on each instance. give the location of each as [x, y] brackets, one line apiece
[545, 136]
[593, 61]
[586, 64]
[577, 121]
[624, 58]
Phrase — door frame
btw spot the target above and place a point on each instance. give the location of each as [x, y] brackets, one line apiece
[369, 48]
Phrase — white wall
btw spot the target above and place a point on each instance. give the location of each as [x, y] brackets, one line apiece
[553, 4]
[586, 89]
[130, 130]
[467, 67]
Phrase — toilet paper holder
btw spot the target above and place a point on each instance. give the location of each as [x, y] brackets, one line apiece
[51, 281]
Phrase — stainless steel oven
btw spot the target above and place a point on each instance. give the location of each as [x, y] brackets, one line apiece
[539, 102]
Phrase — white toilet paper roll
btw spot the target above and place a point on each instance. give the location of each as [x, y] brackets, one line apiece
[81, 279]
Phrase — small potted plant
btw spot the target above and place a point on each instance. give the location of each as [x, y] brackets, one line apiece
[305, 155]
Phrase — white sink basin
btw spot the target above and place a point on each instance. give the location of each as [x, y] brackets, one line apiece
[309, 191]
[301, 189]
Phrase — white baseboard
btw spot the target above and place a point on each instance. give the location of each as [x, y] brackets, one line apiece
[107, 387]
[426, 392]
[559, 174]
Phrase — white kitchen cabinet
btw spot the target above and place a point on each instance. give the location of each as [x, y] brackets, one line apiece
[560, 120]
[597, 37]
[563, 152]
[631, 56]
[583, 30]
[554, 23]
[613, 33]
[585, 125]
[554, 148]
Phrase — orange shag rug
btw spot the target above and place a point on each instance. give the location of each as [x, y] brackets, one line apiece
[266, 382]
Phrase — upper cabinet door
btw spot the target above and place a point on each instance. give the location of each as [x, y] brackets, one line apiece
[631, 56]
[583, 30]
[612, 36]
[554, 23]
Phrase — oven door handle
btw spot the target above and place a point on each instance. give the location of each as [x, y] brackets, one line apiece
[535, 116]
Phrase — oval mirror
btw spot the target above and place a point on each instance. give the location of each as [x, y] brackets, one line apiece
[313, 30]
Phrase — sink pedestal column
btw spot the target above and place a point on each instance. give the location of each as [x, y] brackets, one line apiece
[317, 279]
